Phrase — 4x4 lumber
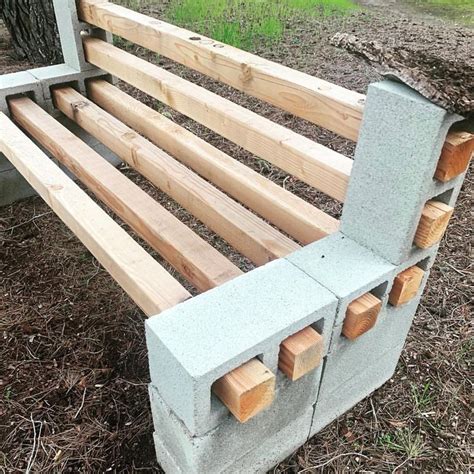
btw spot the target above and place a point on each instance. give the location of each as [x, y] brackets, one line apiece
[361, 315]
[309, 161]
[301, 353]
[194, 258]
[433, 223]
[406, 286]
[151, 287]
[246, 232]
[295, 216]
[247, 390]
[331, 106]
[455, 156]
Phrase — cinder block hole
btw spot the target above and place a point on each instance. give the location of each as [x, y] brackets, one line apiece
[30, 94]
[245, 390]
[74, 84]
[362, 313]
[434, 220]
[407, 283]
[103, 77]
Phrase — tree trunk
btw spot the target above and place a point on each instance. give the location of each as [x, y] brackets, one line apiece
[33, 30]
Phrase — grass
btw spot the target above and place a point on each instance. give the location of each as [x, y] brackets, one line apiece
[422, 396]
[404, 441]
[248, 23]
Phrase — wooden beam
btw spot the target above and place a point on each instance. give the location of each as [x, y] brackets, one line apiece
[433, 223]
[301, 353]
[406, 286]
[455, 156]
[247, 390]
[331, 106]
[151, 287]
[246, 232]
[311, 162]
[295, 216]
[361, 315]
[195, 259]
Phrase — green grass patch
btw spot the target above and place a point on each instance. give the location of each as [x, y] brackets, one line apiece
[247, 23]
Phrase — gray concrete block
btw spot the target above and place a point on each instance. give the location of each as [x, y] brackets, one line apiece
[13, 187]
[335, 400]
[398, 149]
[197, 342]
[231, 443]
[63, 74]
[17, 83]
[345, 268]
[5, 165]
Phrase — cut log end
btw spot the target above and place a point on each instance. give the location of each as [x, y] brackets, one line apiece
[406, 286]
[456, 155]
[247, 390]
[433, 223]
[300, 353]
[361, 316]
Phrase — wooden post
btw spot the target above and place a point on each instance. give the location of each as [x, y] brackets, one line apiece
[433, 223]
[361, 316]
[406, 285]
[455, 157]
[301, 353]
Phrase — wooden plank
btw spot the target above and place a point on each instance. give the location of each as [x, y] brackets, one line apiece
[406, 286]
[295, 216]
[361, 315]
[433, 223]
[195, 259]
[331, 106]
[311, 162]
[247, 390]
[246, 232]
[301, 353]
[455, 156]
[151, 287]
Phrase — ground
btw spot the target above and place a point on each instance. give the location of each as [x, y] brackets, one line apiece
[73, 362]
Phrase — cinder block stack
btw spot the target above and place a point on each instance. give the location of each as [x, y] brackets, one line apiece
[359, 288]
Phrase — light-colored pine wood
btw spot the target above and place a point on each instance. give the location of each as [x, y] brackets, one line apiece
[406, 286]
[311, 162]
[301, 353]
[295, 216]
[249, 234]
[433, 224]
[247, 390]
[151, 287]
[455, 156]
[361, 315]
[331, 106]
[195, 259]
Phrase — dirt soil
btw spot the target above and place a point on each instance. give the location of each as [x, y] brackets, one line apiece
[73, 361]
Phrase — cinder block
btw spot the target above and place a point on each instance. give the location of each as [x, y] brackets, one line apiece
[194, 344]
[17, 83]
[232, 445]
[396, 157]
[60, 74]
[354, 369]
[342, 398]
[13, 187]
[345, 268]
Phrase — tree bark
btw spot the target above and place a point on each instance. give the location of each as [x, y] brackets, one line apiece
[33, 30]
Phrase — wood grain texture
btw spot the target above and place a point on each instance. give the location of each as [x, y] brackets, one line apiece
[190, 255]
[309, 161]
[246, 232]
[321, 102]
[433, 224]
[361, 315]
[150, 286]
[406, 285]
[295, 216]
[455, 156]
[247, 390]
[301, 353]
